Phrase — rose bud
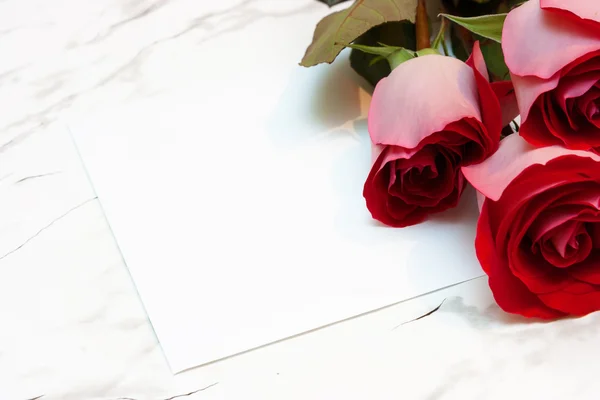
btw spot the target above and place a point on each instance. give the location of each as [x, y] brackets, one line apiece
[428, 118]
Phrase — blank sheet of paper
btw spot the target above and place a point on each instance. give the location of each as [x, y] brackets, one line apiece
[235, 195]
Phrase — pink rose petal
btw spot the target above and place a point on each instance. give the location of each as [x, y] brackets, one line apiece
[492, 176]
[405, 110]
[540, 42]
[584, 9]
[529, 88]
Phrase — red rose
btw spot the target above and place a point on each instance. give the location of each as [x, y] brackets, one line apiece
[552, 48]
[538, 236]
[429, 117]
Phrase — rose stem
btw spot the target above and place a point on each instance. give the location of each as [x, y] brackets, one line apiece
[422, 23]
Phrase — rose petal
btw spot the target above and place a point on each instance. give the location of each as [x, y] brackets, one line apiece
[492, 176]
[535, 131]
[399, 212]
[584, 9]
[588, 63]
[375, 188]
[595, 232]
[556, 124]
[550, 219]
[509, 292]
[588, 270]
[528, 89]
[588, 106]
[392, 206]
[477, 62]
[491, 113]
[534, 271]
[426, 178]
[564, 40]
[420, 97]
[507, 97]
[570, 242]
[574, 86]
[580, 299]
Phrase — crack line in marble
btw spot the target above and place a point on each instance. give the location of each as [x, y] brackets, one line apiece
[421, 317]
[37, 176]
[48, 226]
[179, 395]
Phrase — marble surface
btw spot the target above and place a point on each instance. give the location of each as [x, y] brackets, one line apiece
[72, 324]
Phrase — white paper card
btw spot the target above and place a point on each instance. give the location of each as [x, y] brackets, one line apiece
[237, 200]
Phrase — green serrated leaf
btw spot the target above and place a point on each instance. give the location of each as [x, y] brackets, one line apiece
[488, 26]
[339, 29]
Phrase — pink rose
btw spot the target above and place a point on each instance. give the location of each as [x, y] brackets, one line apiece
[428, 118]
[552, 48]
[538, 235]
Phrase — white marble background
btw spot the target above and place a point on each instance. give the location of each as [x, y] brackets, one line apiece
[72, 326]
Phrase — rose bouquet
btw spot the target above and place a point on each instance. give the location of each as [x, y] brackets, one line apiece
[447, 91]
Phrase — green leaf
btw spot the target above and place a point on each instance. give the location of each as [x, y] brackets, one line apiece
[427, 52]
[339, 29]
[488, 26]
[393, 54]
[399, 34]
[440, 37]
[494, 59]
[400, 56]
[375, 60]
[383, 50]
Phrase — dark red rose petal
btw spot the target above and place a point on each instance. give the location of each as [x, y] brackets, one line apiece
[580, 299]
[403, 191]
[516, 213]
[398, 210]
[569, 89]
[491, 113]
[587, 63]
[375, 191]
[532, 269]
[566, 244]
[509, 292]
[424, 179]
[588, 270]
[556, 118]
[594, 229]
[588, 106]
[534, 128]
